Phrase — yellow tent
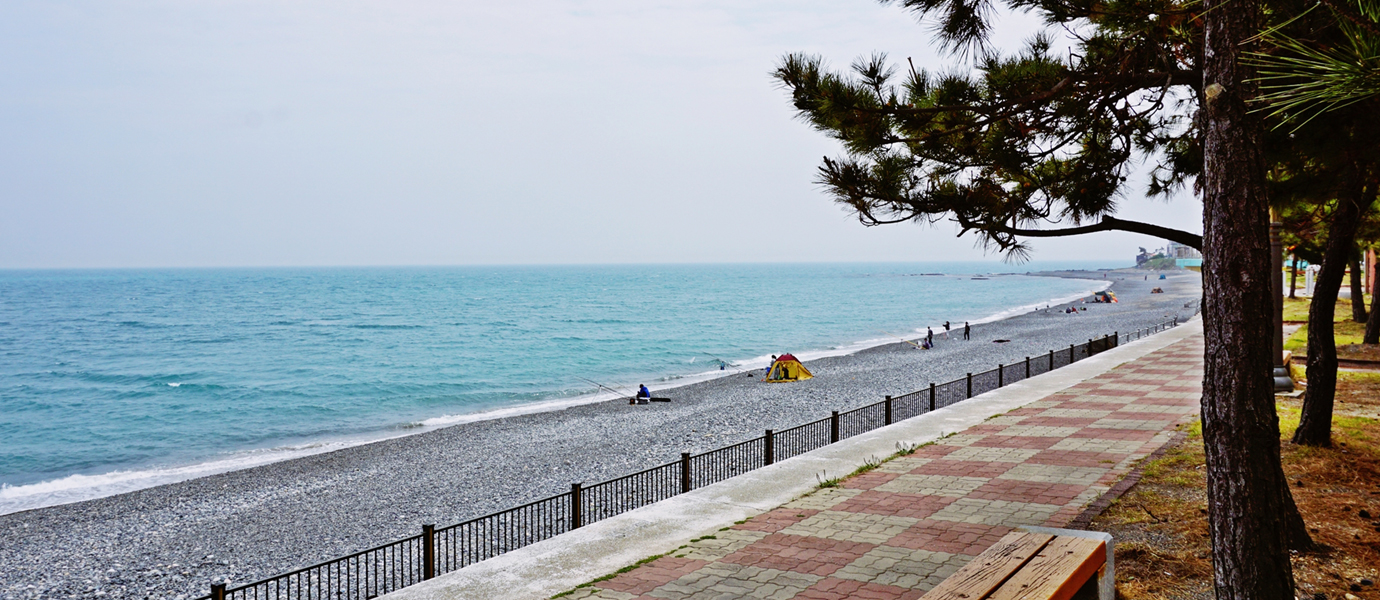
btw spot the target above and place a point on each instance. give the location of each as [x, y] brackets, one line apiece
[787, 368]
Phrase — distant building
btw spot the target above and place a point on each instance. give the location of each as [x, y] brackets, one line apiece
[1176, 250]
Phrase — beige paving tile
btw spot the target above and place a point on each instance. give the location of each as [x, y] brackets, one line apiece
[1055, 474]
[1039, 431]
[720, 581]
[1076, 413]
[851, 527]
[901, 567]
[995, 512]
[823, 499]
[1097, 445]
[984, 454]
[902, 465]
[1138, 425]
[932, 485]
[723, 544]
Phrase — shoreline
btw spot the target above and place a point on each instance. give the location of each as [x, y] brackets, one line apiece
[82, 487]
[252, 523]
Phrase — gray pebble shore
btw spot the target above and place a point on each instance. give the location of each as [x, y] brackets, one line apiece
[172, 541]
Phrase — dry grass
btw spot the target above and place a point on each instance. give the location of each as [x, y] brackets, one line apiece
[1161, 524]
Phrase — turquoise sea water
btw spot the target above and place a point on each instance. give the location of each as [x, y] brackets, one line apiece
[121, 379]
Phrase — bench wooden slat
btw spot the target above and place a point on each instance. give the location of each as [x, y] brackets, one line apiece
[986, 572]
[1057, 572]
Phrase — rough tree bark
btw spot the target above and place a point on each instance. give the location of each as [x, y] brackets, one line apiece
[1358, 289]
[1294, 277]
[1247, 490]
[1372, 335]
[1315, 424]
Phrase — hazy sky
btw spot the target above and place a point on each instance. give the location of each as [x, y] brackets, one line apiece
[243, 132]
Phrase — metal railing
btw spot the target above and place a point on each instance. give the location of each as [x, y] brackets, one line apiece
[398, 564]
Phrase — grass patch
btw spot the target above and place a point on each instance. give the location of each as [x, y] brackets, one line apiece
[1296, 309]
[1161, 525]
[1345, 332]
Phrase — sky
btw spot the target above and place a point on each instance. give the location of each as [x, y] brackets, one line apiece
[410, 132]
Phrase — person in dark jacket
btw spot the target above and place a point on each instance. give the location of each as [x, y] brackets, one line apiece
[966, 330]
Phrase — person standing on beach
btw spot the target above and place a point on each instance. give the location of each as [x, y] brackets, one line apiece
[946, 330]
[966, 330]
[929, 336]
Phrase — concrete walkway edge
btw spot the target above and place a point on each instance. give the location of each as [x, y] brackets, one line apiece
[561, 563]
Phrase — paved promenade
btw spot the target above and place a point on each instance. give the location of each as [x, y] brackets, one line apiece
[900, 529]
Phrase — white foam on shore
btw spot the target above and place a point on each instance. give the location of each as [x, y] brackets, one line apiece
[77, 488]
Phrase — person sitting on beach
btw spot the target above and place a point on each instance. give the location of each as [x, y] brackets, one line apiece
[643, 392]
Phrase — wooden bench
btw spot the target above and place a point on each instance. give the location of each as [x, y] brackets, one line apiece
[1037, 563]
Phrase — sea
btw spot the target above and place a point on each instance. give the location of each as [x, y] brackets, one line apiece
[118, 380]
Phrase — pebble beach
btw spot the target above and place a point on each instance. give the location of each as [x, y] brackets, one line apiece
[171, 541]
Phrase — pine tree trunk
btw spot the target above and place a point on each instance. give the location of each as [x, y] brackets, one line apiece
[1315, 424]
[1358, 289]
[1248, 516]
[1294, 277]
[1372, 335]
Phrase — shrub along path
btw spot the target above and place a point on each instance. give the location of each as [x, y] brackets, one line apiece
[898, 529]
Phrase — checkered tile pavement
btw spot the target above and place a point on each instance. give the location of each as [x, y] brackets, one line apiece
[899, 530]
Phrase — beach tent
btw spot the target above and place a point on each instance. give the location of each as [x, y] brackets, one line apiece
[1104, 297]
[787, 368]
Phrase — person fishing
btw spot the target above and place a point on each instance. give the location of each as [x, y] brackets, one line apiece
[946, 330]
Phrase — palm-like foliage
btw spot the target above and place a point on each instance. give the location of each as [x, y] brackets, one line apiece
[1302, 78]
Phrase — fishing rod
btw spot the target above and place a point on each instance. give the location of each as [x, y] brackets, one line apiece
[902, 339]
[601, 386]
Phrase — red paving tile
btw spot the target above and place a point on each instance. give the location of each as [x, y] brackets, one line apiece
[963, 468]
[1057, 421]
[833, 588]
[915, 506]
[1034, 492]
[1124, 435]
[934, 451]
[867, 481]
[776, 520]
[799, 554]
[947, 536]
[1016, 441]
[1076, 458]
[652, 575]
[985, 429]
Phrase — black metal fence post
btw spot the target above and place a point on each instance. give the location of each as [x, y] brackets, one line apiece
[769, 448]
[429, 551]
[217, 591]
[1027, 367]
[1001, 375]
[684, 472]
[577, 517]
[888, 410]
[1116, 335]
[1051, 360]
[834, 427]
[931, 397]
[1070, 353]
[970, 385]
